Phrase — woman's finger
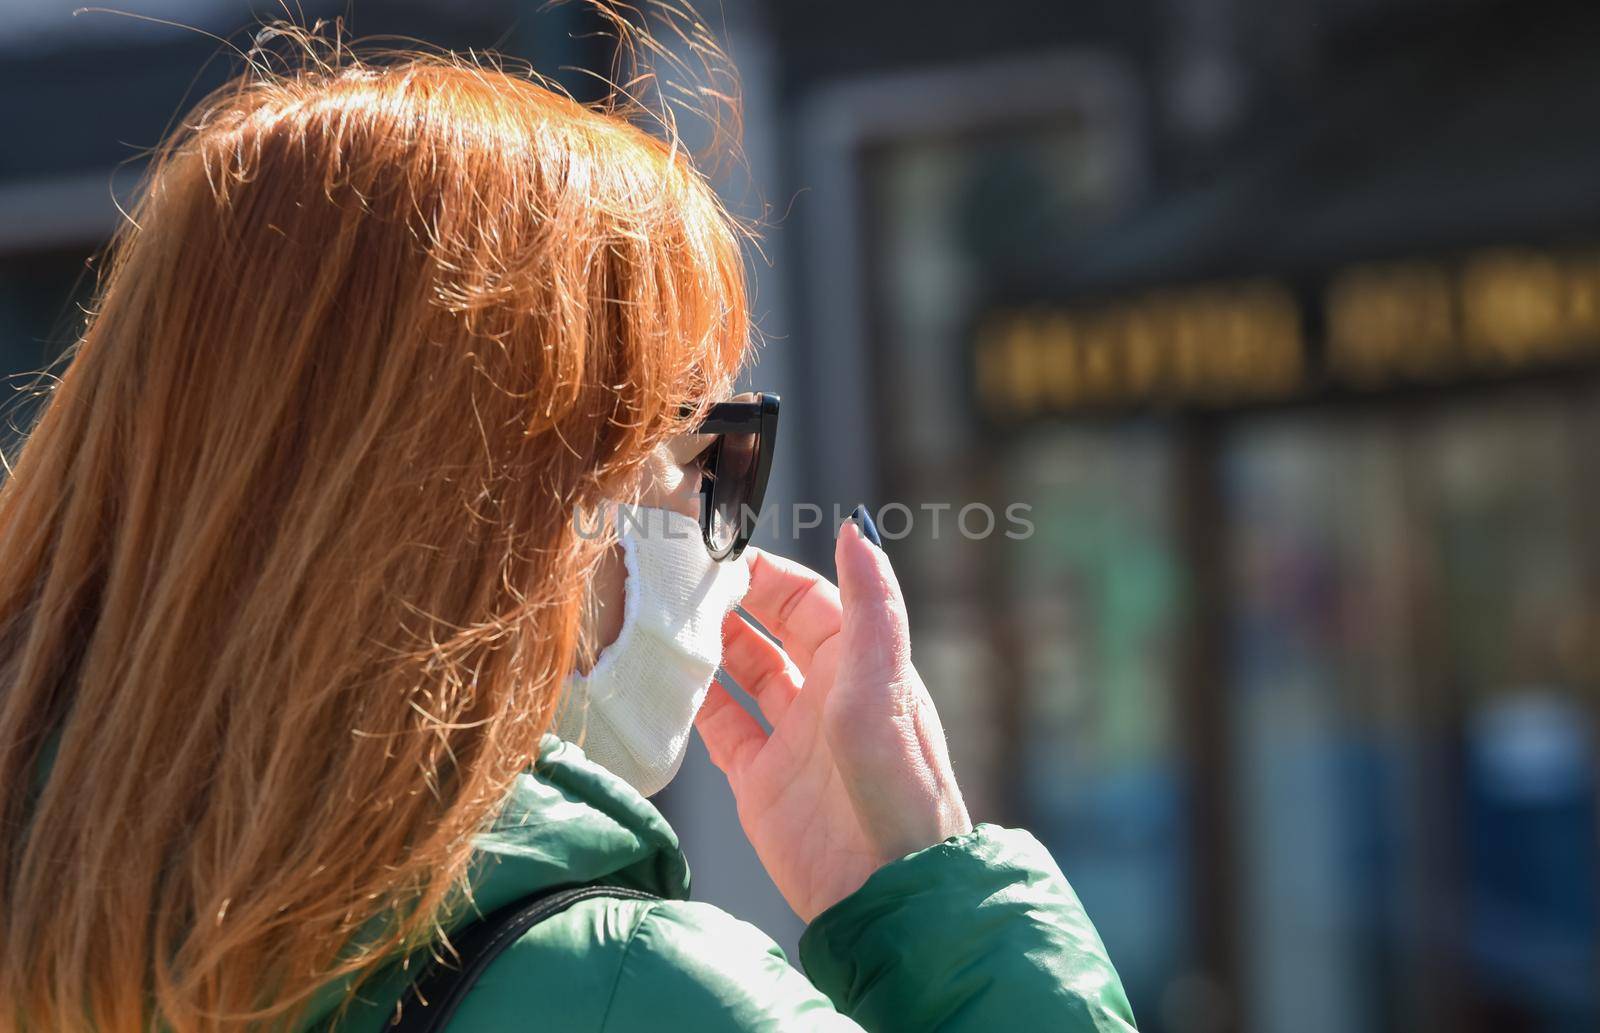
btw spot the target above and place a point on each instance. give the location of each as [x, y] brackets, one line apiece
[798, 605]
[877, 636]
[732, 736]
[883, 729]
[760, 667]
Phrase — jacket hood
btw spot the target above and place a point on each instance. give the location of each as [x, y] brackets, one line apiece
[567, 821]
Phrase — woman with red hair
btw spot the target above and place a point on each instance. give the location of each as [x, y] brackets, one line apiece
[295, 587]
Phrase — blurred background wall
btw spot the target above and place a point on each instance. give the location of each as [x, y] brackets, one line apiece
[1283, 316]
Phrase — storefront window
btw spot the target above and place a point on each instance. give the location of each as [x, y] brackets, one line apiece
[1320, 700]
[1095, 598]
[1412, 711]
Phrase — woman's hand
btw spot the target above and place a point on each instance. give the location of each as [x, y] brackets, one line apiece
[855, 772]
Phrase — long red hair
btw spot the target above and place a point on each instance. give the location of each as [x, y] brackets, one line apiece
[289, 577]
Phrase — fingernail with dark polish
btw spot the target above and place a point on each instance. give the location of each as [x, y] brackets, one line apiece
[869, 530]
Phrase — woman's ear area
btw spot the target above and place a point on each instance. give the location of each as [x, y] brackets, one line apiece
[670, 478]
[663, 481]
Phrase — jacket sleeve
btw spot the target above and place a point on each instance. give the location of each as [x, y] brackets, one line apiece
[980, 932]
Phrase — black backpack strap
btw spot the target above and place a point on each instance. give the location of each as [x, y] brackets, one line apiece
[433, 997]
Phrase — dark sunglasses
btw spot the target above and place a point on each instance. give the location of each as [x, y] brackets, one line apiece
[734, 471]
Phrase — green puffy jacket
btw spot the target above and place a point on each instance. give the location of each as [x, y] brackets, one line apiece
[979, 933]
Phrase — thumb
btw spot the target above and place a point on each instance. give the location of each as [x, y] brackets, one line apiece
[875, 635]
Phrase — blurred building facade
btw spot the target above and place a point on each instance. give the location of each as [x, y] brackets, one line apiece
[1282, 321]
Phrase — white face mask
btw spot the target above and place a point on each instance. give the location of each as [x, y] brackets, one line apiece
[633, 712]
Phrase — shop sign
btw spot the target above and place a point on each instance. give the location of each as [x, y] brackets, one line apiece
[1366, 327]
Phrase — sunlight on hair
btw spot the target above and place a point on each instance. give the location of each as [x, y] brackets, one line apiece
[287, 563]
